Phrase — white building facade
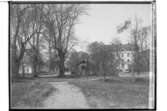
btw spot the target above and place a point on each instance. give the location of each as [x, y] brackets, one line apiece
[126, 60]
[124, 55]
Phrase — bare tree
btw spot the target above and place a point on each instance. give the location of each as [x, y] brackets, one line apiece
[139, 39]
[64, 18]
[37, 21]
[31, 23]
[26, 27]
[18, 43]
[49, 32]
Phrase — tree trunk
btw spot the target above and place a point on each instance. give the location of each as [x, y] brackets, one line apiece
[61, 65]
[104, 71]
[49, 57]
[15, 70]
[14, 59]
[35, 71]
[23, 71]
[35, 66]
[37, 54]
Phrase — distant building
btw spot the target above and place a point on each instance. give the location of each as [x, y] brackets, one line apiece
[125, 54]
[82, 65]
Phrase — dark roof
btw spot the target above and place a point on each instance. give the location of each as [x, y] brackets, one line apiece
[122, 47]
[83, 62]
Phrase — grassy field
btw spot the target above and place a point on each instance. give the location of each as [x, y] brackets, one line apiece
[115, 93]
[29, 94]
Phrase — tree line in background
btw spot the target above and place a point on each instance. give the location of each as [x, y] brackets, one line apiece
[100, 60]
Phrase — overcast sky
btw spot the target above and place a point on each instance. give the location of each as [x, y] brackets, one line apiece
[101, 23]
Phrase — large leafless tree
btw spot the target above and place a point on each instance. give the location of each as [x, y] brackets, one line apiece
[19, 37]
[30, 24]
[61, 22]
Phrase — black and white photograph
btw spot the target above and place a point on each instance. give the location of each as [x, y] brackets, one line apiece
[82, 55]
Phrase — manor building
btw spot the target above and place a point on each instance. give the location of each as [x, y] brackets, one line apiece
[124, 55]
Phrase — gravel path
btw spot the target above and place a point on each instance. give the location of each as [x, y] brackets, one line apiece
[67, 96]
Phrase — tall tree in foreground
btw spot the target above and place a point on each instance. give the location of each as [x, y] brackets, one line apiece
[64, 18]
[37, 21]
[25, 30]
[19, 37]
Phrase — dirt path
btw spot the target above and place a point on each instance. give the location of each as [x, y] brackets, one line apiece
[67, 96]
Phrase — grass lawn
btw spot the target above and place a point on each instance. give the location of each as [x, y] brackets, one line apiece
[115, 93]
[29, 94]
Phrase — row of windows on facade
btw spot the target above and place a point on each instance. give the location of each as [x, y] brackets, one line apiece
[125, 62]
[128, 54]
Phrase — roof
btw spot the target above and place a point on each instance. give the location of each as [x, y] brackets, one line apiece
[83, 62]
[122, 47]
